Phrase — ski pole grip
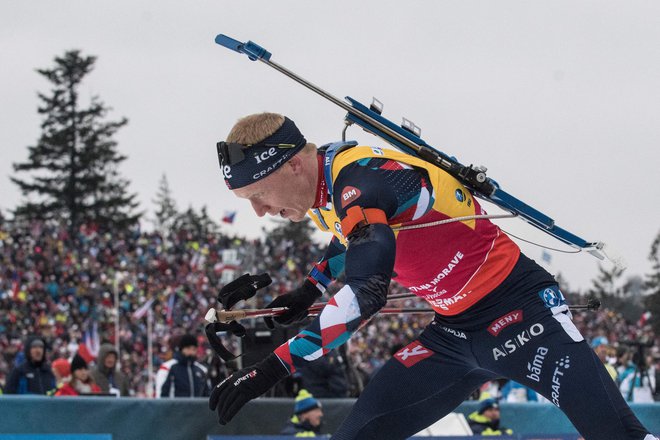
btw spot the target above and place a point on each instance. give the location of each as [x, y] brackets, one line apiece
[252, 50]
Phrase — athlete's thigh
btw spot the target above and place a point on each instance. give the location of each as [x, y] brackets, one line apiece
[538, 346]
[415, 388]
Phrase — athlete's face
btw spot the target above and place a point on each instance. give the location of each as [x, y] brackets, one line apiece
[284, 192]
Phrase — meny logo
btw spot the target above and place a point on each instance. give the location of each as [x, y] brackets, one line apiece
[500, 323]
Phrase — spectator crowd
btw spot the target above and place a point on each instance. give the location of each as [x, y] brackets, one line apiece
[76, 306]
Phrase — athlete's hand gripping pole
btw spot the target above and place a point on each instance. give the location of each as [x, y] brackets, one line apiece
[242, 288]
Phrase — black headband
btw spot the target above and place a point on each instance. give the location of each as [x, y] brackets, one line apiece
[242, 164]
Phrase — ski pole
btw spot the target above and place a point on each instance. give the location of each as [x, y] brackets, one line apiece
[226, 316]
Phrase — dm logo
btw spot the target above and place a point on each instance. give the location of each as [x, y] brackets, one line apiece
[460, 195]
[338, 228]
[552, 297]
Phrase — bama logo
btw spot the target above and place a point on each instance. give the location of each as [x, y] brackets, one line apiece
[500, 323]
[349, 194]
[536, 366]
[521, 339]
[412, 353]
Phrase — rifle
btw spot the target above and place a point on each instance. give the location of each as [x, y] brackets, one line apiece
[407, 139]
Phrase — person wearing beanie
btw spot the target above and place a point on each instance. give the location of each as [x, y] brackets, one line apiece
[62, 371]
[486, 420]
[307, 416]
[34, 375]
[106, 374]
[183, 376]
[61, 368]
[81, 382]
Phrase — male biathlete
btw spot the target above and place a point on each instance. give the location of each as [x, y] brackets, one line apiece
[394, 216]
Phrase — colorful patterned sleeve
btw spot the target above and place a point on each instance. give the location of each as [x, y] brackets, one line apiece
[330, 266]
[368, 260]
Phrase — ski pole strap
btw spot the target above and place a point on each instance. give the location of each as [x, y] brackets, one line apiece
[211, 331]
[359, 216]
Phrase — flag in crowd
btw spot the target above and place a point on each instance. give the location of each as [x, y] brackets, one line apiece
[646, 316]
[170, 307]
[229, 217]
[91, 342]
[143, 309]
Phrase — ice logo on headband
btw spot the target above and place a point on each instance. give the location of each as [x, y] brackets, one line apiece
[272, 151]
[226, 171]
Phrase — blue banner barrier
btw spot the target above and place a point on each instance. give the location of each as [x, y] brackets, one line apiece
[191, 419]
[55, 436]
[465, 437]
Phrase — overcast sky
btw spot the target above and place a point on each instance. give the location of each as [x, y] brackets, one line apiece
[559, 99]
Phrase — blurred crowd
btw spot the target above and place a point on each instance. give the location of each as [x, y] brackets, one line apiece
[90, 295]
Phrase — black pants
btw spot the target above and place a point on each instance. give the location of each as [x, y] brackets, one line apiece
[521, 331]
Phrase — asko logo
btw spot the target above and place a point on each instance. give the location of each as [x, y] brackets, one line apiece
[521, 339]
[502, 322]
[412, 353]
[349, 194]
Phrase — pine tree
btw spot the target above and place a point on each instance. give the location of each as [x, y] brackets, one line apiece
[296, 233]
[74, 165]
[208, 225]
[198, 225]
[187, 221]
[166, 210]
[605, 283]
[652, 285]
[292, 242]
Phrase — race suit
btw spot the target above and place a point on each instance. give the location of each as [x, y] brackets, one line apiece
[498, 314]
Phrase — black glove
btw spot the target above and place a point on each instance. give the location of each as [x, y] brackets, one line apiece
[249, 383]
[298, 301]
[243, 287]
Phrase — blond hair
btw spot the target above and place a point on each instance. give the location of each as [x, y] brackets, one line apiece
[254, 128]
[257, 127]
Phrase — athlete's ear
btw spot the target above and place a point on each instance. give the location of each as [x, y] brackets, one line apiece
[296, 164]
